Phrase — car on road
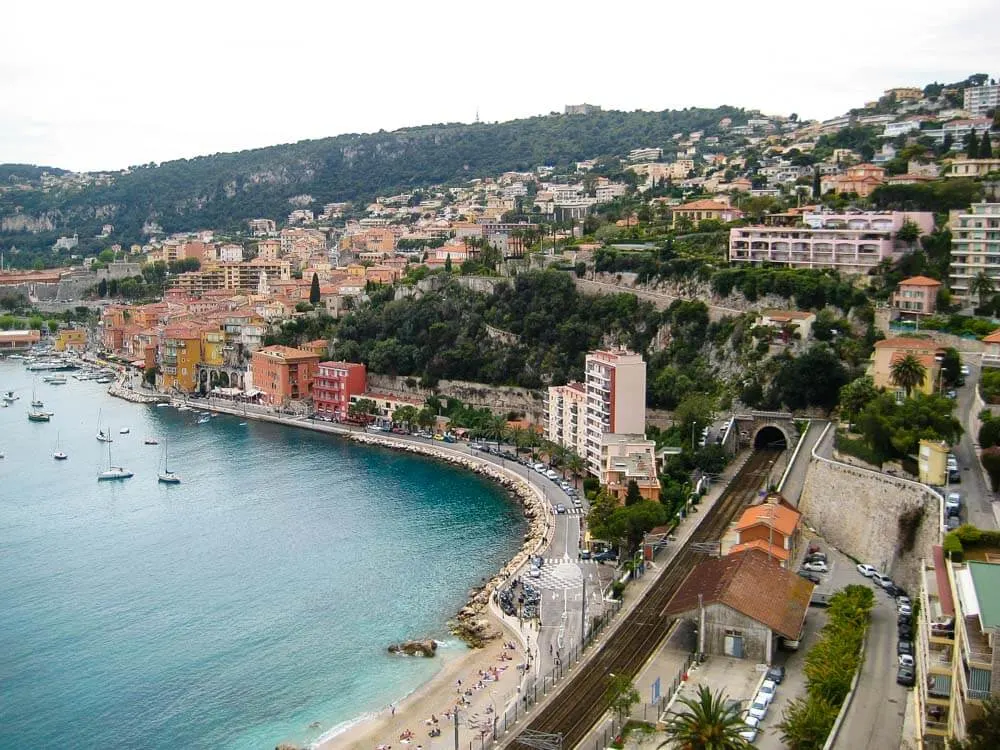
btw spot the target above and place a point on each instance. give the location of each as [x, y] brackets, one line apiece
[758, 709]
[749, 732]
[867, 570]
[606, 555]
[905, 676]
[816, 557]
[811, 577]
[815, 567]
[952, 393]
[560, 508]
[776, 675]
[577, 502]
[534, 572]
[552, 475]
[906, 660]
[540, 468]
[965, 370]
[903, 599]
[905, 631]
[883, 581]
[904, 647]
[904, 609]
[953, 523]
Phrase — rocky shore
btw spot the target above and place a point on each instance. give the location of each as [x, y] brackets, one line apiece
[472, 624]
[120, 391]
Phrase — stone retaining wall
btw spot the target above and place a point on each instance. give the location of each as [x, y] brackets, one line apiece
[500, 399]
[857, 511]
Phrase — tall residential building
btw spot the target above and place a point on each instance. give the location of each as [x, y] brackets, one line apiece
[957, 657]
[979, 99]
[616, 399]
[283, 374]
[566, 417]
[975, 247]
[334, 385]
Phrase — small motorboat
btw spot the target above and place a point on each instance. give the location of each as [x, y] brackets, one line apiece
[123, 431]
[39, 416]
[151, 441]
[204, 420]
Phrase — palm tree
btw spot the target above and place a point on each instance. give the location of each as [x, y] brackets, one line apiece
[908, 373]
[576, 466]
[981, 285]
[707, 724]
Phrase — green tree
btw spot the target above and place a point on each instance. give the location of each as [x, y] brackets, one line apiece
[314, 290]
[102, 288]
[985, 147]
[447, 263]
[576, 466]
[706, 723]
[983, 732]
[908, 233]
[621, 696]
[806, 723]
[405, 415]
[53, 326]
[908, 373]
[149, 375]
[632, 495]
[856, 395]
[972, 145]
[981, 285]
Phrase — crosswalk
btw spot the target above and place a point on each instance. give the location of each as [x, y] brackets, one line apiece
[572, 511]
[558, 573]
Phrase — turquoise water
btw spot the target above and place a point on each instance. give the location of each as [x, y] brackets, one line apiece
[250, 605]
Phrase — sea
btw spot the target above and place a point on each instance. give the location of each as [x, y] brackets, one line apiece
[250, 605]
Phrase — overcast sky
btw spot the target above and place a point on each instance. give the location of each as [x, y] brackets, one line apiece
[104, 84]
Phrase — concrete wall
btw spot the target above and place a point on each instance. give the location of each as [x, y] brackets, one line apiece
[720, 618]
[500, 400]
[857, 511]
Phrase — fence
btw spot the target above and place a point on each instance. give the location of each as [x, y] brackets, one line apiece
[491, 728]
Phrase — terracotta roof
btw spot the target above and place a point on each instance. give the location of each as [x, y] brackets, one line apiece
[751, 583]
[927, 360]
[919, 281]
[905, 342]
[993, 338]
[781, 517]
[773, 550]
[286, 353]
[705, 205]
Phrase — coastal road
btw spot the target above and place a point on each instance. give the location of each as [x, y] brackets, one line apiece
[977, 497]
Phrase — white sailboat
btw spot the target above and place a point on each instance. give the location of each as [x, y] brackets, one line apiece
[103, 435]
[166, 476]
[113, 472]
[35, 401]
[59, 455]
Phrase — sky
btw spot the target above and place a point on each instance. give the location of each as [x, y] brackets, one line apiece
[104, 84]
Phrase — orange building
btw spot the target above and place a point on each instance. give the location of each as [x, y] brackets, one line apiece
[771, 527]
[284, 374]
[334, 385]
[179, 358]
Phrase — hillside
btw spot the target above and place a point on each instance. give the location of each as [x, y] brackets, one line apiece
[224, 190]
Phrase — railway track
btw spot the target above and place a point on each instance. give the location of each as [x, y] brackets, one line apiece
[582, 700]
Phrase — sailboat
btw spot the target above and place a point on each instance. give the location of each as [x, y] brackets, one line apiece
[166, 476]
[103, 435]
[35, 401]
[59, 455]
[113, 472]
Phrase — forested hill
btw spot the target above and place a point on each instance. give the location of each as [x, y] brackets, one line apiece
[224, 190]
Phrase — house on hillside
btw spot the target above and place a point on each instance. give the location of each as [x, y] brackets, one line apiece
[771, 526]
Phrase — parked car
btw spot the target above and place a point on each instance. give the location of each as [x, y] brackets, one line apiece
[758, 709]
[965, 370]
[749, 732]
[560, 508]
[904, 609]
[554, 476]
[534, 572]
[811, 577]
[608, 554]
[540, 468]
[867, 570]
[882, 580]
[904, 647]
[905, 676]
[953, 523]
[945, 627]
[768, 688]
[905, 631]
[577, 502]
[816, 557]
[815, 567]
[903, 599]
[585, 554]
[776, 674]
[906, 660]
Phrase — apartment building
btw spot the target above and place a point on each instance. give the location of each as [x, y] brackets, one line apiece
[972, 168]
[975, 247]
[629, 458]
[916, 295]
[701, 210]
[645, 154]
[851, 243]
[977, 100]
[178, 358]
[334, 385]
[958, 665]
[566, 417]
[616, 399]
[283, 374]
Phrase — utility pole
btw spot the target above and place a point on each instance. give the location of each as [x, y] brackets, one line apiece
[456, 727]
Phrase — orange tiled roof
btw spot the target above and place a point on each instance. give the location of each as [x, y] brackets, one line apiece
[705, 205]
[919, 281]
[993, 338]
[906, 342]
[781, 517]
[771, 549]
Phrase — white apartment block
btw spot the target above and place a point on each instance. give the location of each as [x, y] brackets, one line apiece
[979, 99]
[566, 417]
[645, 154]
[975, 247]
[231, 253]
[850, 243]
[616, 399]
[607, 193]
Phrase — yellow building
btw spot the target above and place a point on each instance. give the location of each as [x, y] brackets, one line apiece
[890, 351]
[71, 339]
[932, 462]
[179, 358]
[212, 343]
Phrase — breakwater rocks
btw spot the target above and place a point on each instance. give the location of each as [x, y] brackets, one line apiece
[415, 648]
[472, 623]
[120, 391]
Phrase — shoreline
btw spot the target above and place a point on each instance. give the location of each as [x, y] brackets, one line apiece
[476, 624]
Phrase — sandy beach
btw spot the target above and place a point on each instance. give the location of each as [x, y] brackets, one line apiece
[484, 692]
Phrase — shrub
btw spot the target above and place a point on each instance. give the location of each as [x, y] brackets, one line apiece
[991, 462]
[952, 547]
[590, 484]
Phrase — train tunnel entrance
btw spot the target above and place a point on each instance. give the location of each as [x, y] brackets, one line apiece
[770, 438]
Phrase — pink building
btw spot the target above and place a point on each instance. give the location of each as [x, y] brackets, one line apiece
[334, 385]
[852, 243]
[917, 295]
